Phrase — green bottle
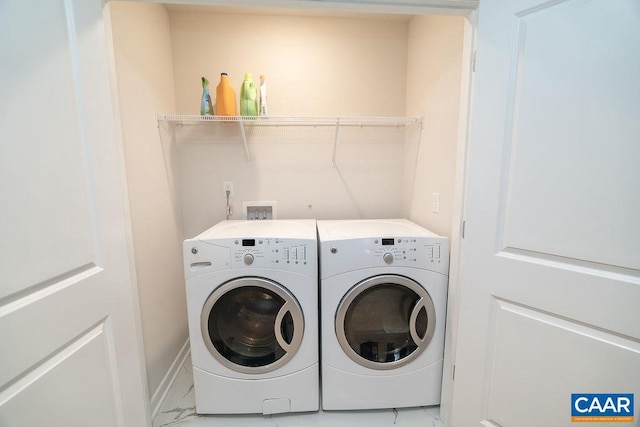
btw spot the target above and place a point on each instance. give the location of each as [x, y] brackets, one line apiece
[206, 106]
[248, 97]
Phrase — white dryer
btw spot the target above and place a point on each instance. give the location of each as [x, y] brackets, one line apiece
[252, 302]
[383, 305]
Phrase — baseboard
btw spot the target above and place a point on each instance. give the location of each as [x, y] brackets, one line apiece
[167, 381]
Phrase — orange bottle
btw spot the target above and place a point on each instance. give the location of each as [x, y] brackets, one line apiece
[225, 97]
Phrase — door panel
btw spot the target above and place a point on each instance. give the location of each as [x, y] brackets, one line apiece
[563, 162]
[41, 177]
[518, 332]
[79, 373]
[68, 328]
[550, 270]
[38, 311]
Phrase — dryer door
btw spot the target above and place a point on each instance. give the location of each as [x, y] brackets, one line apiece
[252, 325]
[385, 321]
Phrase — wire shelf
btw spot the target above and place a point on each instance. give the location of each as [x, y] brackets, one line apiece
[172, 123]
[276, 121]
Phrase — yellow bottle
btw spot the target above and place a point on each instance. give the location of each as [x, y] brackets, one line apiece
[225, 97]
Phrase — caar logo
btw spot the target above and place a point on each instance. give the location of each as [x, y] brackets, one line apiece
[597, 408]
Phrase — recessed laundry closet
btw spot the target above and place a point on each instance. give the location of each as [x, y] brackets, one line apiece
[366, 120]
[441, 203]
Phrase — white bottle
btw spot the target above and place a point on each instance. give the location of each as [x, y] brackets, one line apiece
[263, 97]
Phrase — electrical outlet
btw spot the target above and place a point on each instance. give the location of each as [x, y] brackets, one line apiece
[227, 186]
[435, 208]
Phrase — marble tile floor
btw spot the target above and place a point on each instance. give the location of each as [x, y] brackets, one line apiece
[178, 409]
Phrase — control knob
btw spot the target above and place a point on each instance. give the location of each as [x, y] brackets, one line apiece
[248, 259]
[388, 257]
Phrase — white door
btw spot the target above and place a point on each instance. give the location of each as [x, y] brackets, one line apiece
[550, 276]
[69, 350]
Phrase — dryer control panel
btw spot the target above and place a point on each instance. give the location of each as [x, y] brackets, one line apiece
[287, 254]
[405, 251]
[430, 253]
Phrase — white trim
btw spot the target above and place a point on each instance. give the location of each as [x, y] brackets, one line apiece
[405, 7]
[466, 113]
[118, 145]
[167, 381]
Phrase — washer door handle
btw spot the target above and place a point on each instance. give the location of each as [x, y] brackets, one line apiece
[414, 319]
[278, 326]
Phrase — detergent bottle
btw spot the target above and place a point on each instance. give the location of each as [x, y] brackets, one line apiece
[248, 97]
[206, 107]
[263, 97]
[225, 97]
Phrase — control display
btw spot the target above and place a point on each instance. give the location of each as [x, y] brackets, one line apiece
[271, 251]
[388, 242]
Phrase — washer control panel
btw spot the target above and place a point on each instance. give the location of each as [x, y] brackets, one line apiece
[272, 252]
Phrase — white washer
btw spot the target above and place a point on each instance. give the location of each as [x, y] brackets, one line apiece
[252, 302]
[383, 304]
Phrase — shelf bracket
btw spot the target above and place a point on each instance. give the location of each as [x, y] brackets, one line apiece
[335, 143]
[244, 139]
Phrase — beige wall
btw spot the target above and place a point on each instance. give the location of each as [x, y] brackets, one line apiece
[314, 66]
[433, 90]
[141, 41]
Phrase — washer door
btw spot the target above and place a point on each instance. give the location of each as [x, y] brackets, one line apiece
[252, 325]
[385, 321]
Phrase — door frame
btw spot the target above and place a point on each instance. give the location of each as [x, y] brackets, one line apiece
[468, 10]
[469, 58]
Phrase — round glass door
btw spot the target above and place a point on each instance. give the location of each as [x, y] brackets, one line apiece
[252, 325]
[385, 321]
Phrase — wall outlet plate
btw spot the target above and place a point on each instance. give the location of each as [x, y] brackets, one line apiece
[227, 186]
[259, 210]
[435, 206]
